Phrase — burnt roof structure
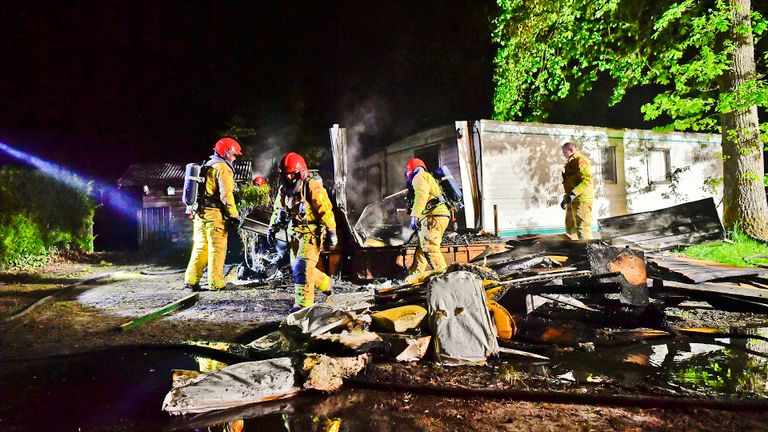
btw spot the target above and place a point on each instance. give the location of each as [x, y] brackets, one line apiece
[172, 174]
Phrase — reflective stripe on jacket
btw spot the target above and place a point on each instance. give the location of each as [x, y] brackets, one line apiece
[308, 207]
[426, 191]
[220, 184]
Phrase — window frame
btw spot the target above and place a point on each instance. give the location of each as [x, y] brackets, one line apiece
[667, 163]
[611, 149]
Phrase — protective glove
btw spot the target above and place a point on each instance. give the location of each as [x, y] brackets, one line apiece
[331, 240]
[232, 224]
[272, 236]
[567, 200]
[414, 224]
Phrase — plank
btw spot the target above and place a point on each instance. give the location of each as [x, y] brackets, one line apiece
[698, 271]
[693, 211]
[718, 288]
[184, 302]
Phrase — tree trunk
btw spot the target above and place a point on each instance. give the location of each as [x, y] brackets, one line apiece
[744, 202]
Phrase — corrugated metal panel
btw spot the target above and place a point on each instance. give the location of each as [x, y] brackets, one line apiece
[172, 174]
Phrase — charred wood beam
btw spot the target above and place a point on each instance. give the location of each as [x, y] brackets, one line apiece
[757, 294]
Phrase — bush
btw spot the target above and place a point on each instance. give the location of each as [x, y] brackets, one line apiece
[39, 214]
[253, 196]
[22, 245]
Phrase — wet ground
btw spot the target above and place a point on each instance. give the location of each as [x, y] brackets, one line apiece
[122, 390]
[64, 366]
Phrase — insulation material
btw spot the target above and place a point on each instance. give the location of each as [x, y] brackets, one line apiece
[233, 386]
[459, 319]
[327, 374]
[355, 341]
[317, 319]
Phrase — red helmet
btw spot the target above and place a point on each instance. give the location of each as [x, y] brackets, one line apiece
[412, 165]
[293, 163]
[227, 148]
[259, 181]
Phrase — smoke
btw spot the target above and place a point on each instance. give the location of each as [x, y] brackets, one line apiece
[271, 145]
[369, 118]
[110, 195]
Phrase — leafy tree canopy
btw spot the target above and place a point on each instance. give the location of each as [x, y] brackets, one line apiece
[553, 49]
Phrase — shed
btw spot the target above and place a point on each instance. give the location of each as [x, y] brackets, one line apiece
[161, 216]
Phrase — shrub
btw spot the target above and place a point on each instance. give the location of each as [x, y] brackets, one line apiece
[22, 244]
[253, 196]
[39, 214]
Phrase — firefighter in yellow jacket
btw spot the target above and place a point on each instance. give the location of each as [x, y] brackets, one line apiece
[216, 214]
[579, 193]
[303, 205]
[429, 215]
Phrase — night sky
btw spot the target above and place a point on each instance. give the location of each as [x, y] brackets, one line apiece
[97, 86]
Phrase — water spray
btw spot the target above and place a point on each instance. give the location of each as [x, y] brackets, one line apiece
[110, 195]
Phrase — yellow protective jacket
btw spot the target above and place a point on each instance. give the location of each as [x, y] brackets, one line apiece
[220, 185]
[426, 193]
[577, 177]
[307, 208]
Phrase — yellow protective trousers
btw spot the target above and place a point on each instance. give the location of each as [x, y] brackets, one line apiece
[428, 255]
[578, 219]
[305, 252]
[209, 248]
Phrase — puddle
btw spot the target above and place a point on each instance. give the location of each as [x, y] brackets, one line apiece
[691, 366]
[123, 389]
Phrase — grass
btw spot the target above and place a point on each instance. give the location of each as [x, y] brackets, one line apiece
[730, 252]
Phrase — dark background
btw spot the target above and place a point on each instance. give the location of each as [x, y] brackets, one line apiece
[96, 86]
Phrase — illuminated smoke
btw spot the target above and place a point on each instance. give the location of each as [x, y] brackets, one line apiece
[368, 118]
[110, 195]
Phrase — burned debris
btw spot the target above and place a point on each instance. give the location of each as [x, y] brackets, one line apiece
[541, 294]
[531, 297]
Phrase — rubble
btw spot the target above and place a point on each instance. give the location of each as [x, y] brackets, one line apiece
[541, 294]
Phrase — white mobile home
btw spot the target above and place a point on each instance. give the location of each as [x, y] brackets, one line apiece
[516, 168]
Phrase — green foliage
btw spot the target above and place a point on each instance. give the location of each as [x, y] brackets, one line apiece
[729, 253]
[39, 214]
[553, 49]
[252, 196]
[21, 244]
[674, 185]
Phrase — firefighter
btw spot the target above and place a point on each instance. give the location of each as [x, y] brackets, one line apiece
[216, 215]
[579, 193]
[428, 215]
[303, 205]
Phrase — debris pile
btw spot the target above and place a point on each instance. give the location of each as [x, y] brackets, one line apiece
[541, 292]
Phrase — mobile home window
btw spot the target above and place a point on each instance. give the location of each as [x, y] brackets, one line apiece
[659, 166]
[608, 158]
